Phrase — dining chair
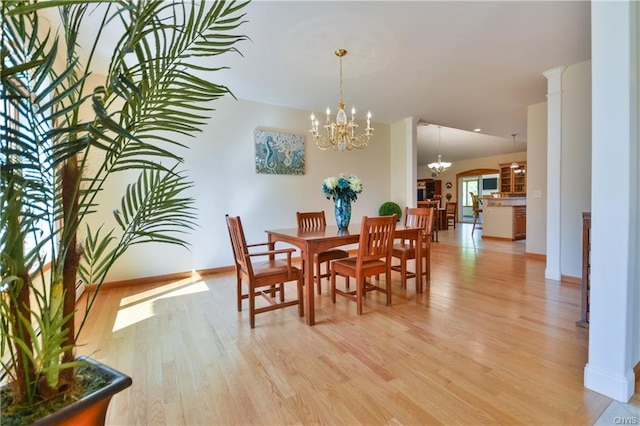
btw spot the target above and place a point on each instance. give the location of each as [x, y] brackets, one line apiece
[271, 273]
[475, 201]
[405, 250]
[317, 220]
[373, 258]
[451, 213]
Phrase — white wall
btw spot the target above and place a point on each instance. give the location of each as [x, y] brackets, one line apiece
[536, 178]
[575, 175]
[222, 165]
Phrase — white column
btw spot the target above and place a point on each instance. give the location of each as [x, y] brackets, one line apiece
[554, 164]
[613, 333]
[411, 124]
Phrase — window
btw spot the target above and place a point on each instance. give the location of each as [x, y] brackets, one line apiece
[15, 131]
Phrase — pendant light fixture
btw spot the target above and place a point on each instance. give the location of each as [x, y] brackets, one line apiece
[439, 166]
[515, 164]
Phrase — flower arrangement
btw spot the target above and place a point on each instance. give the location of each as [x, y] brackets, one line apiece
[437, 196]
[342, 187]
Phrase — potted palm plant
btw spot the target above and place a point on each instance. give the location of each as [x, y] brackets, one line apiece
[62, 136]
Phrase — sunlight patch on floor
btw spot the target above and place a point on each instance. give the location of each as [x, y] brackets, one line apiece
[142, 308]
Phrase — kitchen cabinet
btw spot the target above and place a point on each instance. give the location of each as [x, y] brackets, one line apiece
[519, 223]
[513, 181]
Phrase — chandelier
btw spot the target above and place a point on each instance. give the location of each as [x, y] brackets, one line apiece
[341, 133]
[439, 166]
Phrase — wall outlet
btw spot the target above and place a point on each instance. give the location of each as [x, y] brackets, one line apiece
[537, 194]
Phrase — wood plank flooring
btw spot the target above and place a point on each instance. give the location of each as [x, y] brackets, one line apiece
[489, 342]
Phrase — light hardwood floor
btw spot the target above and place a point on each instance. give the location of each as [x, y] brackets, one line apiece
[489, 342]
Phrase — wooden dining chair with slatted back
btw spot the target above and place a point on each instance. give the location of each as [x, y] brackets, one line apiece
[373, 258]
[405, 250]
[264, 278]
[451, 213]
[317, 220]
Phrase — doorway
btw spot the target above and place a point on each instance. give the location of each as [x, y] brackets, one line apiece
[469, 184]
[472, 181]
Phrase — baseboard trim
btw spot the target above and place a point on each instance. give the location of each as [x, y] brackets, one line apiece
[537, 256]
[181, 275]
[570, 279]
[165, 278]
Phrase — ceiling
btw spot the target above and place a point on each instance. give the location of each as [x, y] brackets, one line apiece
[462, 65]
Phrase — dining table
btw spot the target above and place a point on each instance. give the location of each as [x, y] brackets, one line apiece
[313, 241]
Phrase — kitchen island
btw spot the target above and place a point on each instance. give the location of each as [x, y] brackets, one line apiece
[504, 218]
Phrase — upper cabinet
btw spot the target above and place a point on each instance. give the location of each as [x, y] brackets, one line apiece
[513, 181]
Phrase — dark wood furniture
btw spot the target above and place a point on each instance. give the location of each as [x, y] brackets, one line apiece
[271, 273]
[317, 240]
[373, 258]
[430, 188]
[586, 269]
[405, 250]
[317, 220]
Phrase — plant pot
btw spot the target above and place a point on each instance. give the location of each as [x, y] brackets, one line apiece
[91, 409]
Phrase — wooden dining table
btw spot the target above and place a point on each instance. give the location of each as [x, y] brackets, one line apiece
[314, 241]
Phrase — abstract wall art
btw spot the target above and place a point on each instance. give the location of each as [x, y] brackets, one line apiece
[279, 153]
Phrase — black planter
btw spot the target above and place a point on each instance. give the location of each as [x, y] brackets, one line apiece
[92, 409]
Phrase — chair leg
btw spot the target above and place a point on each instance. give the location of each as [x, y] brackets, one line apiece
[427, 267]
[300, 295]
[333, 286]
[403, 273]
[252, 306]
[318, 277]
[239, 293]
[388, 286]
[359, 293]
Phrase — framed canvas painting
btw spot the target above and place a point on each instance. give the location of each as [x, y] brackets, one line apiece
[279, 153]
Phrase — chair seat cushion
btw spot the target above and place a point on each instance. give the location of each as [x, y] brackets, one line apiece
[271, 267]
[351, 263]
[331, 255]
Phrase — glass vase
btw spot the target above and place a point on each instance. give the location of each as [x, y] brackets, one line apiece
[343, 212]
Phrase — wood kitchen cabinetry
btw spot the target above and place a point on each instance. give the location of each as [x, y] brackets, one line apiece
[513, 181]
[520, 223]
